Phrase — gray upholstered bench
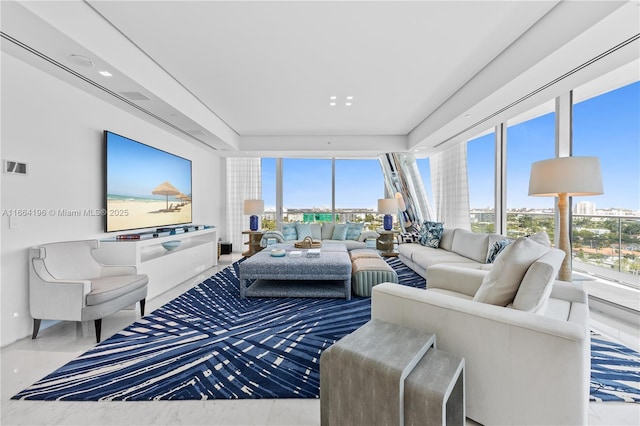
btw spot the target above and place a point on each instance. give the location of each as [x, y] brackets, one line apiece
[369, 269]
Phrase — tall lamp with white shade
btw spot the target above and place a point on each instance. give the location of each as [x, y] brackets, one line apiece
[565, 177]
[253, 208]
[387, 207]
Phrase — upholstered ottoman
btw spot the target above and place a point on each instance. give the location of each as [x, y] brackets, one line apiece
[368, 270]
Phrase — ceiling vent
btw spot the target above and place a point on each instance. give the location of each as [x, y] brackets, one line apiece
[135, 96]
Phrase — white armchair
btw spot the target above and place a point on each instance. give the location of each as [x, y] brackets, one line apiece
[67, 283]
[522, 367]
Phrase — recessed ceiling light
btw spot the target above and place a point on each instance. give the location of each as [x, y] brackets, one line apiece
[105, 73]
[332, 97]
[467, 115]
[332, 104]
[349, 97]
[348, 103]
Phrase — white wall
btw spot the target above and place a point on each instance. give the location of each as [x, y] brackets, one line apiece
[58, 130]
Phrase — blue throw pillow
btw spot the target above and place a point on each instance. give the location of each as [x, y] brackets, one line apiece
[303, 230]
[430, 233]
[340, 231]
[354, 231]
[289, 231]
[497, 247]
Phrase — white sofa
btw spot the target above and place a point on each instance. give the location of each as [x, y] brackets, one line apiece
[523, 366]
[457, 246]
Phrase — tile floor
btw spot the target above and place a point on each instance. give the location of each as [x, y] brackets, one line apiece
[26, 361]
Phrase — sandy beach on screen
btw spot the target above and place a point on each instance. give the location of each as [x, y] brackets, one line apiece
[144, 214]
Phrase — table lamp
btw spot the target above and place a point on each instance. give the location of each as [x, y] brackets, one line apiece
[565, 177]
[387, 207]
[253, 208]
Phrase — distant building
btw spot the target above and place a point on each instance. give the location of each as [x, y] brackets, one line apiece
[585, 207]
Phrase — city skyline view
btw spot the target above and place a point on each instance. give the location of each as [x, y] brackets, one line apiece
[605, 126]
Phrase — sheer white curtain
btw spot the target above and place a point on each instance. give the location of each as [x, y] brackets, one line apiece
[244, 182]
[450, 186]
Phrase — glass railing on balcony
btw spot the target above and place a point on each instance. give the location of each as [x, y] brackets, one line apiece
[370, 217]
[606, 246]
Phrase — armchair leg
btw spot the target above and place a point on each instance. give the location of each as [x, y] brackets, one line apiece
[98, 324]
[142, 302]
[36, 328]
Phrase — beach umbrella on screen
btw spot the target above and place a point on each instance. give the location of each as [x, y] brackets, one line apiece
[165, 189]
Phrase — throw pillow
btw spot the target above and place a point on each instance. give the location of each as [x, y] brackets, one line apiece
[303, 230]
[501, 284]
[408, 237]
[354, 230]
[542, 238]
[327, 230]
[535, 288]
[496, 249]
[289, 231]
[365, 235]
[340, 231]
[430, 233]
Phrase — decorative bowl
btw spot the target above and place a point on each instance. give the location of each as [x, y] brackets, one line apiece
[278, 252]
[171, 245]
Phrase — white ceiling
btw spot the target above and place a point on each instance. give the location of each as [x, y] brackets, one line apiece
[255, 78]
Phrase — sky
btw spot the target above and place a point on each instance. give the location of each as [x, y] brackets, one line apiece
[607, 127]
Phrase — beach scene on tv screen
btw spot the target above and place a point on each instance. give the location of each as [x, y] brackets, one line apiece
[146, 187]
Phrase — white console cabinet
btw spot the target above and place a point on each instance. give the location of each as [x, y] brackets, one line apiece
[198, 251]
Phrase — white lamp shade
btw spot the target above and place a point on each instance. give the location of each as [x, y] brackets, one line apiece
[253, 207]
[387, 206]
[574, 176]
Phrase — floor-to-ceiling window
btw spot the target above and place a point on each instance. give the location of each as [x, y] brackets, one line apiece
[606, 227]
[527, 142]
[307, 188]
[358, 185]
[481, 174]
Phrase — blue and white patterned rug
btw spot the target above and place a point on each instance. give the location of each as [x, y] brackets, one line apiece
[210, 344]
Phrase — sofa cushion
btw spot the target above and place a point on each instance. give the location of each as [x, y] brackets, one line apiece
[470, 244]
[316, 231]
[429, 256]
[303, 230]
[349, 244]
[500, 285]
[289, 231]
[354, 230]
[446, 241]
[108, 288]
[542, 238]
[535, 288]
[430, 233]
[327, 230]
[340, 231]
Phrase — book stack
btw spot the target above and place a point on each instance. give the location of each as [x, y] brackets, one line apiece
[313, 253]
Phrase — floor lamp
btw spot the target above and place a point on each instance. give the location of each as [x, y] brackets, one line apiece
[565, 177]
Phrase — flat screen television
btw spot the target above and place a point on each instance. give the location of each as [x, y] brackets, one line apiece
[145, 187]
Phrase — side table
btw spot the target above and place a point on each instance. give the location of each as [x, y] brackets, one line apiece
[253, 243]
[386, 243]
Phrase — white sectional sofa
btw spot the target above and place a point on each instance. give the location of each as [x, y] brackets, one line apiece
[524, 336]
[351, 234]
[457, 246]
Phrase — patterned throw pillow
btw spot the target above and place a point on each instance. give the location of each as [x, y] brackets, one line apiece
[354, 230]
[498, 246]
[289, 231]
[430, 233]
[409, 237]
[303, 230]
[340, 231]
